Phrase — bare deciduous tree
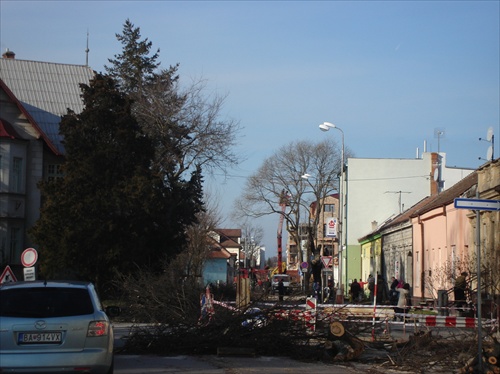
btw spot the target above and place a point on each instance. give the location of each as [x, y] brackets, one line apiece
[187, 127]
[251, 241]
[283, 171]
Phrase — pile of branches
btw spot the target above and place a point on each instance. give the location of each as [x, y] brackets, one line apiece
[167, 314]
[258, 331]
[455, 352]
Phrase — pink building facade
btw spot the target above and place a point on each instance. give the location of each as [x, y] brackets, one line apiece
[441, 240]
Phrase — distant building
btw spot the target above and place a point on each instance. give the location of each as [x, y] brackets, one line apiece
[230, 240]
[217, 266]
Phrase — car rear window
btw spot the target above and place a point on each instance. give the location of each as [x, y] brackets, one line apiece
[45, 302]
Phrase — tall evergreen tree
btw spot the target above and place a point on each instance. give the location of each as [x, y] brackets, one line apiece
[133, 67]
[109, 211]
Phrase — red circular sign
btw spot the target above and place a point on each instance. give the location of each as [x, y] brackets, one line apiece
[29, 257]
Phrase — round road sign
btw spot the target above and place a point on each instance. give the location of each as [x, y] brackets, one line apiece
[29, 257]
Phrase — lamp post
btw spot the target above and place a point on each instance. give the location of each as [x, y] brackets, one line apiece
[326, 126]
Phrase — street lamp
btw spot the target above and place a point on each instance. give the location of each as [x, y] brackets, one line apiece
[326, 126]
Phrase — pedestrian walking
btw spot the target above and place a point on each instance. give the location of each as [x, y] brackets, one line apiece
[355, 290]
[459, 289]
[403, 303]
[393, 294]
[371, 286]
[381, 290]
[281, 289]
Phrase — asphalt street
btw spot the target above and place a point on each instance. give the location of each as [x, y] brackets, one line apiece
[139, 364]
[212, 364]
[222, 365]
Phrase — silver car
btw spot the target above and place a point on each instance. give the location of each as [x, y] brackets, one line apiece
[54, 327]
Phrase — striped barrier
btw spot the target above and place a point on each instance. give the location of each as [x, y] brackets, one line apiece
[225, 305]
[311, 308]
[310, 317]
[445, 321]
[311, 313]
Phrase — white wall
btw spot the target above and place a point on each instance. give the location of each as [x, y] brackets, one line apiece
[372, 186]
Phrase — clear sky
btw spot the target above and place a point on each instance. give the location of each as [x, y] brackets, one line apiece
[389, 73]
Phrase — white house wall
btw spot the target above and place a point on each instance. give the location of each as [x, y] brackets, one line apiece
[373, 187]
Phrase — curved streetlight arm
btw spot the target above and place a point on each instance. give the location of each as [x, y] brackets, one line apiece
[326, 126]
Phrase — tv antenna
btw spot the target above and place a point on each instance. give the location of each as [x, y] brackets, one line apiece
[490, 137]
[439, 133]
[87, 50]
[399, 199]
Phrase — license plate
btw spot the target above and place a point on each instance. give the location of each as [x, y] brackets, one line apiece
[39, 337]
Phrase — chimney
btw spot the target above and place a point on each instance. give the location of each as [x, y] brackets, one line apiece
[9, 54]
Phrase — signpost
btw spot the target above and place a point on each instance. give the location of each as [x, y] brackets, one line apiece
[7, 276]
[477, 205]
[29, 274]
[327, 261]
[28, 259]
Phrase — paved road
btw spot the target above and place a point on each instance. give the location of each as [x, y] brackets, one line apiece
[212, 364]
[223, 365]
[139, 364]
[145, 364]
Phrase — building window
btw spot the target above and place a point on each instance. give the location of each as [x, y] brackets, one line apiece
[17, 175]
[15, 244]
[54, 171]
[329, 208]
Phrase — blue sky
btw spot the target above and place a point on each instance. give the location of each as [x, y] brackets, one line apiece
[389, 73]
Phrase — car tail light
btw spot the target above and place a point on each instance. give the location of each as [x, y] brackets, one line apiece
[98, 328]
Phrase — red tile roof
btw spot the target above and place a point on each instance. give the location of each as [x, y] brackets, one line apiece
[447, 197]
[219, 253]
[429, 203]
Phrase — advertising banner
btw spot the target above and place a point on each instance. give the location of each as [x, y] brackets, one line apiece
[331, 227]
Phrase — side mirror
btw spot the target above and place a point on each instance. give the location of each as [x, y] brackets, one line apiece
[113, 311]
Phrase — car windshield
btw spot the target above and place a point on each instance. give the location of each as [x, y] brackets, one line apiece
[45, 302]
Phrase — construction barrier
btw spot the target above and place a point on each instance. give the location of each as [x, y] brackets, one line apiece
[443, 321]
[311, 308]
[363, 314]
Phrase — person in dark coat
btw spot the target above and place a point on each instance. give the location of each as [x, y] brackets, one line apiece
[393, 294]
[281, 289]
[381, 290]
[459, 289]
[355, 290]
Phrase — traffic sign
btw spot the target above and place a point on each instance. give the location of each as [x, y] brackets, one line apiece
[477, 204]
[7, 276]
[304, 265]
[29, 274]
[327, 260]
[29, 257]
